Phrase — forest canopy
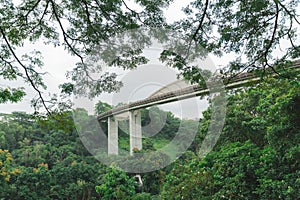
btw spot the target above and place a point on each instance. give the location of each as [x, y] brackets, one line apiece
[257, 155]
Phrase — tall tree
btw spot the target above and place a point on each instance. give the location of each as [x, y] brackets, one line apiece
[250, 29]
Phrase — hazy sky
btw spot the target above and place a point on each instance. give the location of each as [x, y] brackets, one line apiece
[138, 84]
[144, 81]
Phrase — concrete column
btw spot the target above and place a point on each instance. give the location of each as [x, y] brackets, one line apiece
[135, 129]
[112, 136]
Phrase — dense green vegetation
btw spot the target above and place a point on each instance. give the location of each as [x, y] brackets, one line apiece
[258, 153]
[256, 157]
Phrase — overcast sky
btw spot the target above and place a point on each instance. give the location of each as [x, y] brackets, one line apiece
[138, 84]
[57, 62]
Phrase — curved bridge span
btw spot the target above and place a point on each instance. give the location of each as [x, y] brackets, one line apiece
[132, 110]
[185, 93]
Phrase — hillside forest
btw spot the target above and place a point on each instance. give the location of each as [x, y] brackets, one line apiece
[256, 157]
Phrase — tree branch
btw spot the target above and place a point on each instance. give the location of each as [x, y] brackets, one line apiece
[89, 21]
[286, 10]
[65, 35]
[32, 8]
[9, 64]
[107, 16]
[272, 39]
[198, 28]
[133, 11]
[25, 69]
[42, 17]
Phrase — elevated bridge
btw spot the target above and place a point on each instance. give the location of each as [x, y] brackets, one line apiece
[162, 96]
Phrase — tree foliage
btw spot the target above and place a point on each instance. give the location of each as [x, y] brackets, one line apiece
[251, 30]
[256, 157]
[116, 185]
[257, 154]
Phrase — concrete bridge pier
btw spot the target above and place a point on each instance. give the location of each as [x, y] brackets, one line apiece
[113, 148]
[135, 132]
[135, 129]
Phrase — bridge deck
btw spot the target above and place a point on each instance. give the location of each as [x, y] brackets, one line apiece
[188, 92]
